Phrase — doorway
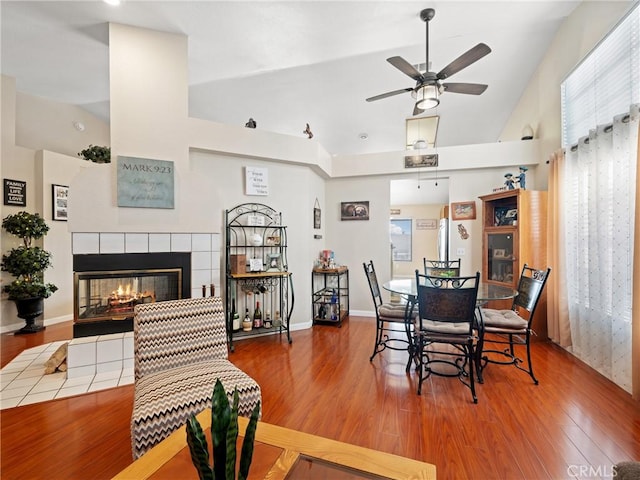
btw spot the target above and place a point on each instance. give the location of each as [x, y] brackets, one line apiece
[421, 208]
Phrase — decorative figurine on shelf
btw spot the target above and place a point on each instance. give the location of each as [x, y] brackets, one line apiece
[509, 183]
[251, 123]
[308, 131]
[521, 179]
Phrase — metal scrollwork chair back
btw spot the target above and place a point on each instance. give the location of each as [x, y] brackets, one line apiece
[512, 327]
[446, 335]
[441, 268]
[393, 320]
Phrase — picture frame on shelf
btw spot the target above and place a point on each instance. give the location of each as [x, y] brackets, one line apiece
[59, 199]
[463, 210]
[273, 262]
[272, 240]
[256, 265]
[499, 253]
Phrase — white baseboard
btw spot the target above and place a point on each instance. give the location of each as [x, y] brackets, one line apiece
[12, 327]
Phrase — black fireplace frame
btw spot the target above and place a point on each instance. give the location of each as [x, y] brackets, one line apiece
[113, 262]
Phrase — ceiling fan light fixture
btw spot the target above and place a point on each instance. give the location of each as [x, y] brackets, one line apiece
[420, 144]
[427, 97]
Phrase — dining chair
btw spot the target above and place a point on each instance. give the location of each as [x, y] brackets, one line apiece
[446, 334]
[441, 268]
[513, 327]
[391, 319]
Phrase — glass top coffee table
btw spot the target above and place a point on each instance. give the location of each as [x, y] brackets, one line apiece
[281, 453]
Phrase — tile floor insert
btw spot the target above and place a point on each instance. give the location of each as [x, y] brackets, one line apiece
[23, 381]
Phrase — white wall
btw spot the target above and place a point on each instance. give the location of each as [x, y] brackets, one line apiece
[539, 105]
[43, 124]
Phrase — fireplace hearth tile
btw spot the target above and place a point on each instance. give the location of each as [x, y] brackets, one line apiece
[109, 351]
[81, 354]
[180, 242]
[159, 242]
[84, 243]
[136, 243]
[201, 261]
[84, 371]
[112, 243]
[201, 242]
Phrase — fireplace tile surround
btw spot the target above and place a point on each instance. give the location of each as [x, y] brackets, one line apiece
[204, 249]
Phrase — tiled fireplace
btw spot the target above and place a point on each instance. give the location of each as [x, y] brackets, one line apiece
[115, 271]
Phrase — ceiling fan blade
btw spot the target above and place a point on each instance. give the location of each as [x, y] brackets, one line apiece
[468, 88]
[417, 110]
[406, 68]
[464, 60]
[389, 94]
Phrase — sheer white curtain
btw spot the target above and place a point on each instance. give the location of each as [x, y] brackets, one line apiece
[600, 184]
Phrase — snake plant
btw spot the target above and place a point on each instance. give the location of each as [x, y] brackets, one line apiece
[224, 433]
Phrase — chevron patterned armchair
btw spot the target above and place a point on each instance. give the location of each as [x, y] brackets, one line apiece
[180, 349]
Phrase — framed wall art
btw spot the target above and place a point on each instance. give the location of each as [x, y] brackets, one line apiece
[317, 215]
[426, 224]
[145, 182]
[354, 210]
[15, 192]
[59, 198]
[463, 211]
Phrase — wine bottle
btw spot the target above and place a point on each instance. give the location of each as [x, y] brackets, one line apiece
[257, 316]
[247, 324]
[235, 316]
[334, 306]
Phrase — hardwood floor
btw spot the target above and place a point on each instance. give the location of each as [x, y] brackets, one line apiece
[575, 424]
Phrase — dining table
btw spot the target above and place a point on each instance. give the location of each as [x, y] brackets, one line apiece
[486, 291]
[407, 288]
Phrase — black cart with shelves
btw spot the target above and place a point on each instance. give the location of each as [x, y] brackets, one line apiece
[330, 298]
[257, 271]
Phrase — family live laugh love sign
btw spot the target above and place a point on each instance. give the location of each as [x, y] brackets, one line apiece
[147, 183]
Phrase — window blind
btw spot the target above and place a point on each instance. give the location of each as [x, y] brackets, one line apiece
[605, 83]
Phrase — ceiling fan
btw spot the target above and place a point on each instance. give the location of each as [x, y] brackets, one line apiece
[429, 84]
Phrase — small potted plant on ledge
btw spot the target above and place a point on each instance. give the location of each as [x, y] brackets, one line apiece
[27, 263]
[224, 434]
[96, 154]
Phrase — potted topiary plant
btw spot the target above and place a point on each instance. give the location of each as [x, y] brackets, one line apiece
[224, 434]
[96, 154]
[27, 263]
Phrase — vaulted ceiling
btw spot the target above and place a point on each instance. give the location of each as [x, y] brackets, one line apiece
[289, 63]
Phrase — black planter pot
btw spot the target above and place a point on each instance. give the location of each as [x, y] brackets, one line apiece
[29, 309]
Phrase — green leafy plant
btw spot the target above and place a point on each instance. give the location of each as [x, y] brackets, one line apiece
[224, 434]
[96, 154]
[27, 262]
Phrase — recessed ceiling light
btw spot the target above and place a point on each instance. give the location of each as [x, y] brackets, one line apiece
[114, 3]
[363, 136]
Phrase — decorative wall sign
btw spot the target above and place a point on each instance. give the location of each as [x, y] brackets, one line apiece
[354, 211]
[426, 224]
[419, 161]
[394, 211]
[59, 198]
[317, 215]
[257, 181]
[146, 183]
[15, 192]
